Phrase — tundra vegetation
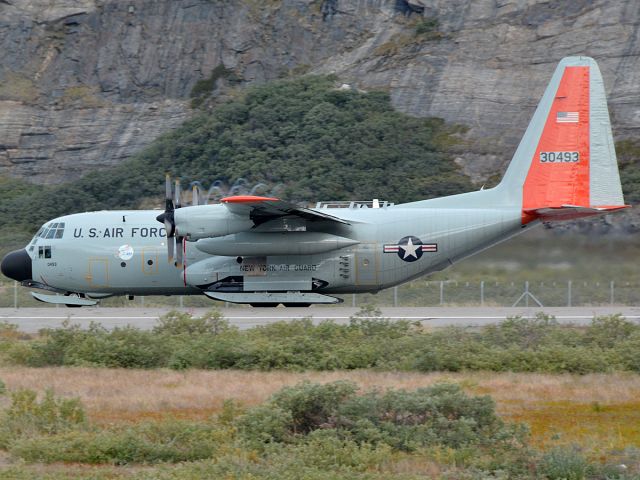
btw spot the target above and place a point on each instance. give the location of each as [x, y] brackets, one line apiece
[368, 341]
[367, 412]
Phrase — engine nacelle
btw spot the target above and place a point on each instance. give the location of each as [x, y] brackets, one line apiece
[274, 243]
[206, 221]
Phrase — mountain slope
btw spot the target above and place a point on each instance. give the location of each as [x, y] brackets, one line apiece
[86, 84]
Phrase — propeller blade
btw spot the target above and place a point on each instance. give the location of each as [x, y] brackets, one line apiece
[167, 187]
[178, 204]
[180, 251]
[170, 248]
[194, 198]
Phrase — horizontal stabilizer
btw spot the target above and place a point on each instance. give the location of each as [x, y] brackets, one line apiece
[64, 300]
[570, 212]
[289, 298]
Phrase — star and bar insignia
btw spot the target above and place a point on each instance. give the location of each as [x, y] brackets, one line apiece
[410, 248]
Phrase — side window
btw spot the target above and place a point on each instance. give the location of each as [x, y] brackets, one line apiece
[40, 251]
[44, 252]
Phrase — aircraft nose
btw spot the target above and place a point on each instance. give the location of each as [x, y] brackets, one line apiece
[17, 265]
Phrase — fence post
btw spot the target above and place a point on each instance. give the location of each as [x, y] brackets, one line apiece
[526, 296]
[181, 301]
[482, 293]
[142, 301]
[395, 296]
[353, 300]
[569, 293]
[611, 292]
[441, 292]
[15, 294]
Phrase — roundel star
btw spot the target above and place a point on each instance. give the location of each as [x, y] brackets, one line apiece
[411, 249]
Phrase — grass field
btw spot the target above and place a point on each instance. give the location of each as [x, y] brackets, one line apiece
[599, 411]
[372, 400]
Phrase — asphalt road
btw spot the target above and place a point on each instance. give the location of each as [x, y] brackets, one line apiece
[30, 320]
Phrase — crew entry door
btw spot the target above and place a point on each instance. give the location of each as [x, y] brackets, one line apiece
[98, 272]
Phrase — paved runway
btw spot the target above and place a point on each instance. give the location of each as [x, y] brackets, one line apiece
[32, 319]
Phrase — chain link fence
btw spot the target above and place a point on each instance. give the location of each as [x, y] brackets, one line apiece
[569, 293]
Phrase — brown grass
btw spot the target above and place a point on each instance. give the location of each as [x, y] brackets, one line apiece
[599, 409]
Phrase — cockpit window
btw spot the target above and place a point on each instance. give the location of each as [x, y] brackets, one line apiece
[36, 236]
[54, 230]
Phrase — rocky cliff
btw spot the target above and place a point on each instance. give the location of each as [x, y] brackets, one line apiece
[87, 83]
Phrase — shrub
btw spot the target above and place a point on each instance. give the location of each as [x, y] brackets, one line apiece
[311, 404]
[265, 424]
[148, 442]
[123, 347]
[180, 323]
[525, 333]
[564, 463]
[438, 415]
[327, 451]
[609, 331]
[26, 416]
[9, 331]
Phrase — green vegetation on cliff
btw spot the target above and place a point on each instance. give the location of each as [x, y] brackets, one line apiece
[321, 143]
[628, 152]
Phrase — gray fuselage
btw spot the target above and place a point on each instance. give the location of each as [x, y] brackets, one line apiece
[124, 252]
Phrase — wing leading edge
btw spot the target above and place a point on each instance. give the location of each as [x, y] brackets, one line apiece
[263, 209]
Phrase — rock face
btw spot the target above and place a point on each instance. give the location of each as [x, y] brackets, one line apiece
[85, 84]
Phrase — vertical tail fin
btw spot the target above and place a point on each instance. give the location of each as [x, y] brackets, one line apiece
[565, 165]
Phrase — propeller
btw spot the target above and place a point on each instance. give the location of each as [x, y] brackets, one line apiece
[168, 219]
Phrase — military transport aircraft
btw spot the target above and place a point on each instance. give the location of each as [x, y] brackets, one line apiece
[264, 251]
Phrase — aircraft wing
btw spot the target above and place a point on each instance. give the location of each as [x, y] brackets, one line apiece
[263, 209]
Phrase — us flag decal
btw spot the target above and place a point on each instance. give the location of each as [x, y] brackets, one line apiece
[567, 117]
